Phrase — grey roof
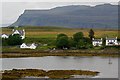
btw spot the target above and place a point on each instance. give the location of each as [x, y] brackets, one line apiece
[20, 31]
[5, 34]
[97, 40]
[28, 44]
[31, 44]
[111, 39]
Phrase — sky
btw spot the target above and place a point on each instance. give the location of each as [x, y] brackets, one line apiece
[11, 9]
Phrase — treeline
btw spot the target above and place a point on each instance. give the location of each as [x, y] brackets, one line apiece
[78, 41]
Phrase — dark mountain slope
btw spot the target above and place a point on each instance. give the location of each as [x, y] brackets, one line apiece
[100, 16]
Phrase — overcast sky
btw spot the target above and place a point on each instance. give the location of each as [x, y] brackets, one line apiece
[11, 10]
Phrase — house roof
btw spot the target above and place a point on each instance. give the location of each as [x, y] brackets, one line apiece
[20, 31]
[4, 34]
[111, 39]
[97, 40]
[30, 44]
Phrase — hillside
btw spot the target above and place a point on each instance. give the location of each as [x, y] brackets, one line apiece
[75, 16]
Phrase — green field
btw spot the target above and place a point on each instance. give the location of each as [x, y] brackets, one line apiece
[48, 34]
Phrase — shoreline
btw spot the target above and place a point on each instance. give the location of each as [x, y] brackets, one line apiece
[104, 53]
[54, 74]
[19, 55]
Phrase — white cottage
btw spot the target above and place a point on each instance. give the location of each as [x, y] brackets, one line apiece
[111, 41]
[33, 46]
[28, 46]
[97, 42]
[20, 32]
[4, 36]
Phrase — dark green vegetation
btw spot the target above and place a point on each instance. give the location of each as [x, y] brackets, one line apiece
[56, 74]
[13, 40]
[62, 41]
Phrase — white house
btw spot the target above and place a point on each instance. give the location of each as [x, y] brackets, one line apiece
[97, 42]
[33, 46]
[20, 32]
[111, 41]
[28, 46]
[4, 36]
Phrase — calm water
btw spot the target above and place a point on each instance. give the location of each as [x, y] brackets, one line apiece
[65, 63]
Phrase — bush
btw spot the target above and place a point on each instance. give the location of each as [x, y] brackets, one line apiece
[14, 40]
[4, 42]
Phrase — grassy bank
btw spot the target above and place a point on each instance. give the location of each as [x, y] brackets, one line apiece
[11, 52]
[15, 55]
[32, 53]
[21, 73]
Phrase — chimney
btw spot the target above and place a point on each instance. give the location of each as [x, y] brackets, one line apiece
[106, 37]
[13, 30]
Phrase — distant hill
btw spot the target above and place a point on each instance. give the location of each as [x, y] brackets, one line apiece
[73, 16]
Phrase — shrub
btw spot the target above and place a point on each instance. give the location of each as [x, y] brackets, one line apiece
[15, 40]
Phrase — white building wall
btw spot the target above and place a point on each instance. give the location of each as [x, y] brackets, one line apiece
[23, 36]
[28, 47]
[33, 46]
[16, 32]
[115, 42]
[97, 43]
[106, 42]
[4, 36]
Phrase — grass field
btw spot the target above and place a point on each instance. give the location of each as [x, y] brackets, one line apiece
[51, 32]
[47, 35]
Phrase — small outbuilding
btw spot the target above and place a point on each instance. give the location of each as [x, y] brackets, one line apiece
[28, 46]
[4, 36]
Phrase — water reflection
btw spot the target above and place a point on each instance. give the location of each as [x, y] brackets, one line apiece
[65, 63]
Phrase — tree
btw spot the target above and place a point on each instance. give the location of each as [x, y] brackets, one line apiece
[72, 43]
[77, 36]
[91, 34]
[62, 41]
[15, 40]
[87, 43]
[60, 35]
[87, 40]
[81, 44]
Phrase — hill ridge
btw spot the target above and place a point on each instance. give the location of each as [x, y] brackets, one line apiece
[78, 16]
